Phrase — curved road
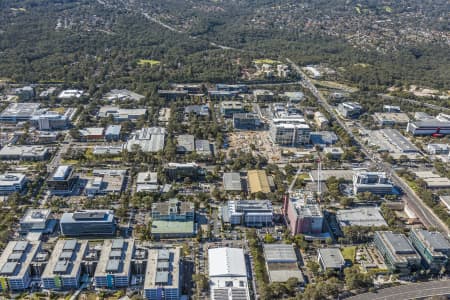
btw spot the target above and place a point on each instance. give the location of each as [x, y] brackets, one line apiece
[409, 291]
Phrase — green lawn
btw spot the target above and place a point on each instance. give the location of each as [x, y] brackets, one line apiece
[266, 61]
[349, 253]
[150, 62]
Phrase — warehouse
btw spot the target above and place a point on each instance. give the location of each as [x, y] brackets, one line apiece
[281, 263]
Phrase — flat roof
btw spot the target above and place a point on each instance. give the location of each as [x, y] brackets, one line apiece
[35, 215]
[226, 262]
[331, 257]
[20, 110]
[172, 227]
[434, 240]
[115, 257]
[326, 174]
[153, 278]
[279, 253]
[361, 216]
[66, 268]
[232, 181]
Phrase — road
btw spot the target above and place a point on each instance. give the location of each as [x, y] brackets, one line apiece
[416, 102]
[425, 214]
[409, 291]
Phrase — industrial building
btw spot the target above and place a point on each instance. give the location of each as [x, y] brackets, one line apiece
[149, 139]
[246, 121]
[398, 253]
[228, 108]
[19, 112]
[432, 180]
[63, 270]
[330, 259]
[12, 182]
[432, 246]
[251, 213]
[178, 171]
[232, 182]
[391, 118]
[281, 263]
[62, 181]
[88, 223]
[227, 274]
[367, 216]
[24, 152]
[122, 114]
[114, 266]
[374, 182]
[350, 110]
[163, 274]
[37, 220]
[395, 142]
[258, 181]
[16, 270]
[303, 214]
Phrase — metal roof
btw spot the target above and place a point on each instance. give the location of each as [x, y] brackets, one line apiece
[279, 253]
[399, 243]
[331, 257]
[232, 181]
[227, 262]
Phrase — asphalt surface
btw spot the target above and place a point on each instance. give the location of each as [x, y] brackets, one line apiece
[409, 291]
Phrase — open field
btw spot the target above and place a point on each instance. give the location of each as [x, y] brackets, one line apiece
[266, 61]
[151, 62]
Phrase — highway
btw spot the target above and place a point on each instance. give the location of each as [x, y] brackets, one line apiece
[425, 214]
[408, 291]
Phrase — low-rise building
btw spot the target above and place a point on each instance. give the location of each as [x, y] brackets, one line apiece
[251, 213]
[398, 253]
[112, 133]
[178, 171]
[323, 138]
[349, 110]
[391, 118]
[433, 247]
[330, 259]
[240, 88]
[246, 121]
[70, 94]
[185, 143]
[228, 108]
[19, 112]
[62, 181]
[320, 120]
[258, 181]
[197, 110]
[25, 93]
[91, 133]
[391, 109]
[173, 94]
[374, 182]
[107, 150]
[445, 200]
[123, 95]
[12, 182]
[15, 265]
[122, 114]
[222, 95]
[37, 220]
[431, 127]
[281, 263]
[63, 271]
[106, 181]
[228, 274]
[232, 182]
[163, 274]
[263, 95]
[203, 148]
[437, 149]
[148, 139]
[114, 266]
[333, 152]
[24, 152]
[147, 182]
[88, 223]
[293, 96]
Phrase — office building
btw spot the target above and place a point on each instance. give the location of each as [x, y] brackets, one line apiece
[12, 182]
[281, 263]
[227, 274]
[323, 138]
[63, 271]
[240, 88]
[391, 119]
[263, 95]
[222, 95]
[330, 259]
[16, 265]
[288, 134]
[368, 216]
[437, 149]
[25, 93]
[88, 223]
[113, 269]
[432, 246]
[349, 110]
[123, 95]
[228, 108]
[258, 181]
[62, 181]
[112, 133]
[173, 94]
[232, 182]
[105, 181]
[163, 274]
[374, 182]
[203, 148]
[179, 171]
[173, 219]
[320, 120]
[303, 214]
[432, 127]
[107, 150]
[398, 253]
[24, 152]
[333, 152]
[251, 213]
[391, 109]
[147, 182]
[122, 114]
[185, 143]
[49, 120]
[246, 121]
[197, 110]
[19, 112]
[148, 139]
[37, 220]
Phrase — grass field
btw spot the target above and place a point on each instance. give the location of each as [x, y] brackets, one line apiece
[266, 61]
[151, 62]
[349, 253]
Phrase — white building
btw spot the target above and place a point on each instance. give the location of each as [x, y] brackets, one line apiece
[12, 182]
[436, 149]
[69, 94]
[288, 134]
[320, 120]
[147, 182]
[228, 274]
[252, 213]
[374, 182]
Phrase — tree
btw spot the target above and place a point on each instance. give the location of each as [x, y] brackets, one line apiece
[313, 266]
